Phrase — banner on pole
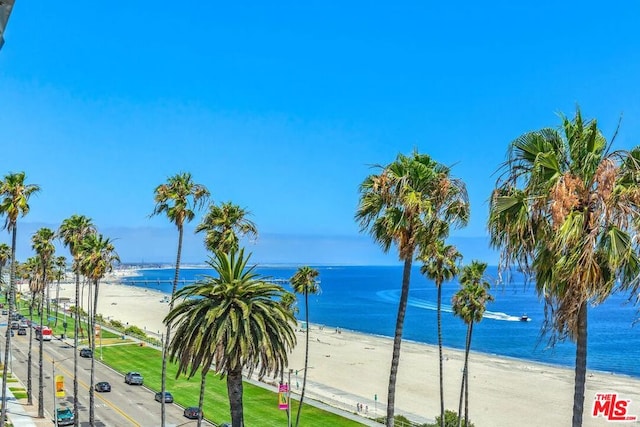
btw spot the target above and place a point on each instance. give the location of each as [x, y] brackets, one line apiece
[283, 397]
[59, 386]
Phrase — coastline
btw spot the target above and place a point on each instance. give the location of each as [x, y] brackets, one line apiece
[348, 367]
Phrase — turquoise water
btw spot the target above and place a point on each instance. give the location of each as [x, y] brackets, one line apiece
[365, 299]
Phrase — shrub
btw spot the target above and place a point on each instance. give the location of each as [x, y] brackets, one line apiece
[117, 324]
[450, 420]
[135, 331]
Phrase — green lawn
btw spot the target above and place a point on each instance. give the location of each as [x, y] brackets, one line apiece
[260, 405]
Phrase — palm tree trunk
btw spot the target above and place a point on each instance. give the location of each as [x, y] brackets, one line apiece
[440, 361]
[306, 355]
[92, 422]
[7, 349]
[581, 367]
[40, 348]
[57, 301]
[29, 354]
[167, 338]
[76, 327]
[397, 340]
[234, 390]
[203, 382]
[466, 376]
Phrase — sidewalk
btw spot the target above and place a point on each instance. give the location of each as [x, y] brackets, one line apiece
[24, 415]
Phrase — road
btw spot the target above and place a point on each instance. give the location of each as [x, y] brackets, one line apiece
[125, 405]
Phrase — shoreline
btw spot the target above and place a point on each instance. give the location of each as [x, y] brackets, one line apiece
[347, 368]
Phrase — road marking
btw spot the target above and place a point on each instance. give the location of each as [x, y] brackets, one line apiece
[99, 396]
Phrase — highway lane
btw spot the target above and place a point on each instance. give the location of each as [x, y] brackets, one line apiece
[125, 405]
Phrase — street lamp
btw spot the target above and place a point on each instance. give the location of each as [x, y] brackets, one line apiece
[5, 11]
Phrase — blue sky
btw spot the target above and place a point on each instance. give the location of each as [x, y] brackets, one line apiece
[282, 107]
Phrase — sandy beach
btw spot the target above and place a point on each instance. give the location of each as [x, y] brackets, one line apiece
[347, 368]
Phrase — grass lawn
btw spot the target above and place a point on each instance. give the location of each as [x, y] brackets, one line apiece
[260, 405]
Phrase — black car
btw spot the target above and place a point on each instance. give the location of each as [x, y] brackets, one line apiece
[168, 397]
[192, 412]
[22, 331]
[86, 352]
[103, 387]
[133, 378]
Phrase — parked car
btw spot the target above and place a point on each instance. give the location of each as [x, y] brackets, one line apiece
[22, 331]
[192, 412]
[65, 417]
[133, 378]
[86, 352]
[103, 387]
[168, 397]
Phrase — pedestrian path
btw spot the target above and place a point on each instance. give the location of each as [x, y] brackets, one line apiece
[21, 415]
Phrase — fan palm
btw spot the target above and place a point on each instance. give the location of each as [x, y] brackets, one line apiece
[14, 202]
[42, 244]
[29, 271]
[72, 231]
[231, 322]
[565, 209]
[98, 257]
[224, 225]
[440, 265]
[410, 203]
[470, 303]
[304, 282]
[179, 199]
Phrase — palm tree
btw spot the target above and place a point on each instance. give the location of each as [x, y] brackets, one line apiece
[42, 244]
[15, 194]
[72, 231]
[98, 257]
[304, 282]
[29, 270]
[224, 225]
[5, 256]
[61, 268]
[179, 199]
[565, 210]
[440, 265]
[408, 204]
[469, 303]
[234, 321]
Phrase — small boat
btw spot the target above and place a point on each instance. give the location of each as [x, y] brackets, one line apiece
[524, 318]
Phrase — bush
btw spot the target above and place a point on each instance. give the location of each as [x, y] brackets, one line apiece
[117, 324]
[450, 420]
[135, 331]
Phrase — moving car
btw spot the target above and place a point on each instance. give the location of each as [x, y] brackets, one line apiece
[103, 387]
[133, 378]
[192, 412]
[22, 331]
[64, 417]
[86, 352]
[168, 397]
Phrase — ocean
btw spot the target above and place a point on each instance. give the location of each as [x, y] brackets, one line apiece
[365, 299]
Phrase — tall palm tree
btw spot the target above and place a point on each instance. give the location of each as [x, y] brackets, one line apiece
[224, 225]
[233, 321]
[98, 257]
[5, 256]
[72, 231]
[29, 271]
[470, 303]
[42, 244]
[565, 210]
[402, 205]
[61, 268]
[304, 282]
[179, 198]
[440, 265]
[14, 202]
